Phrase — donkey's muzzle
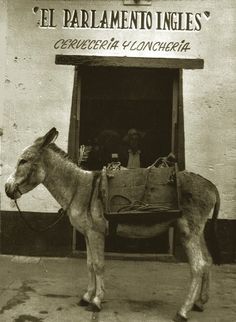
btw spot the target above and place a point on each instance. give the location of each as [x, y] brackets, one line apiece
[12, 191]
[9, 191]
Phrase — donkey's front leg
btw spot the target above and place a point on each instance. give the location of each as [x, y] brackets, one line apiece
[96, 247]
[89, 295]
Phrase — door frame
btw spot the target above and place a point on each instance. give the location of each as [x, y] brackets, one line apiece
[177, 136]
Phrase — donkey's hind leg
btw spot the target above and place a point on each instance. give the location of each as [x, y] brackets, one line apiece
[198, 266]
[204, 290]
[204, 293]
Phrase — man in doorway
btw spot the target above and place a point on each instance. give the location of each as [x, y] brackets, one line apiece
[131, 155]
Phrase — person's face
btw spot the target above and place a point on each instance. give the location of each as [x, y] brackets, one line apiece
[134, 140]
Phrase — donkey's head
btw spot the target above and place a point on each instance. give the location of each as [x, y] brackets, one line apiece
[29, 171]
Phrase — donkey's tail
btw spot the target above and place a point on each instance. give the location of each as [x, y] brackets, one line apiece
[215, 248]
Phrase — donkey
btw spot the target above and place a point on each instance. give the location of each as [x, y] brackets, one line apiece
[78, 193]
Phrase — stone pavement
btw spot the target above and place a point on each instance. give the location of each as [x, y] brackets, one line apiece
[48, 290]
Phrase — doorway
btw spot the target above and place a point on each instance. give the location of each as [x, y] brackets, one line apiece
[123, 92]
[117, 99]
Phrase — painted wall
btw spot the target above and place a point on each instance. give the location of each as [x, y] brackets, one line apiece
[36, 93]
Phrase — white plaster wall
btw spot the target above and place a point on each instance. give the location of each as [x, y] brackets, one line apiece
[3, 27]
[37, 97]
[37, 93]
[209, 107]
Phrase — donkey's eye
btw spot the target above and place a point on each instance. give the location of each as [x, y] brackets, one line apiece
[22, 161]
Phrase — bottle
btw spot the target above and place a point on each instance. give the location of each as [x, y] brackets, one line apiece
[115, 163]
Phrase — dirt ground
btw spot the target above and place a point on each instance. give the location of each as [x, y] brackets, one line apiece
[48, 289]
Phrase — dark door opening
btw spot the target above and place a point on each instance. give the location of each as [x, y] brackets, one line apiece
[117, 99]
[122, 98]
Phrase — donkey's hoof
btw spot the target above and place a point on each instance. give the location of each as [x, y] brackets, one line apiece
[198, 306]
[179, 318]
[82, 302]
[93, 308]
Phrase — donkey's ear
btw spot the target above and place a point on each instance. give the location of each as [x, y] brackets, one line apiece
[48, 138]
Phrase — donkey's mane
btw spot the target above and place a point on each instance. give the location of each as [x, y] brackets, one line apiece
[66, 157]
[59, 151]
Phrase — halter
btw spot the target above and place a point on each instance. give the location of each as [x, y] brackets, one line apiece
[61, 214]
[61, 211]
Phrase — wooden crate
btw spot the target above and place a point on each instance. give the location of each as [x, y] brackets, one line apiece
[143, 195]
